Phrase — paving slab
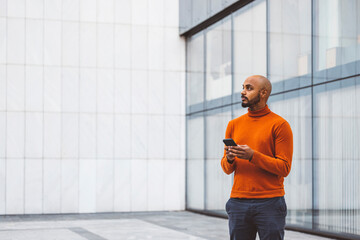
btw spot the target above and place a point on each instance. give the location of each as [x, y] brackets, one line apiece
[177, 225]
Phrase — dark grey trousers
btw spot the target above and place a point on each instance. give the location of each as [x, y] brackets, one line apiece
[249, 216]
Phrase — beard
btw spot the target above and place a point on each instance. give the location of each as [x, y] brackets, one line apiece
[252, 102]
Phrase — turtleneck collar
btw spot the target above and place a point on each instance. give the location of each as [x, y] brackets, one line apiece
[259, 113]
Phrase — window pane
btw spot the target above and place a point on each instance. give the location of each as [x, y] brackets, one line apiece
[289, 44]
[195, 72]
[295, 107]
[218, 184]
[218, 63]
[195, 162]
[336, 150]
[199, 11]
[337, 39]
[249, 44]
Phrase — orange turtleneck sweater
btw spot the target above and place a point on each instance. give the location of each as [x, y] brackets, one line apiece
[270, 136]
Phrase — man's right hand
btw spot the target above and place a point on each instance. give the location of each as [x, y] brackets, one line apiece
[229, 155]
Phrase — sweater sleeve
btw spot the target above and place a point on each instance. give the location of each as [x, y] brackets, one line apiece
[281, 164]
[227, 167]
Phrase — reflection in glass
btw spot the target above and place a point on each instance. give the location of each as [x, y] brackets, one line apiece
[195, 162]
[337, 39]
[218, 60]
[199, 11]
[295, 107]
[218, 184]
[289, 44]
[249, 44]
[336, 151]
[195, 71]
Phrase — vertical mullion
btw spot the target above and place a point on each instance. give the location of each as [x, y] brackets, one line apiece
[204, 118]
[312, 120]
[186, 123]
[232, 76]
[267, 38]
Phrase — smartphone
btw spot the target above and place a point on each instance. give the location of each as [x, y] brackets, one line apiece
[229, 142]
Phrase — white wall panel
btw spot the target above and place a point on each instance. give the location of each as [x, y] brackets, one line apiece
[52, 43]
[15, 186]
[35, 9]
[156, 48]
[34, 135]
[70, 10]
[104, 185]
[52, 135]
[156, 92]
[70, 135]
[87, 135]
[3, 89]
[15, 134]
[174, 51]
[105, 136]
[15, 87]
[16, 8]
[156, 142]
[52, 9]
[34, 41]
[123, 101]
[70, 89]
[33, 186]
[122, 185]
[88, 44]
[174, 186]
[87, 186]
[52, 186]
[3, 135]
[3, 8]
[123, 11]
[88, 96]
[139, 92]
[34, 88]
[122, 136]
[88, 10]
[70, 43]
[172, 84]
[171, 15]
[15, 40]
[105, 91]
[156, 12]
[3, 37]
[69, 185]
[139, 47]
[172, 134]
[105, 45]
[2, 186]
[123, 50]
[52, 89]
[155, 184]
[139, 12]
[139, 136]
[139, 189]
[105, 10]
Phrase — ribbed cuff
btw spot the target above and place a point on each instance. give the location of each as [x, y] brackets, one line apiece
[231, 162]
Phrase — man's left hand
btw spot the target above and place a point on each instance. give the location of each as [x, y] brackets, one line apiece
[242, 151]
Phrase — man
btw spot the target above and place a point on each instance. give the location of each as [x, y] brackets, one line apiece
[261, 160]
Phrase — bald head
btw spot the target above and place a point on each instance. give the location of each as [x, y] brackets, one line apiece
[255, 93]
[262, 83]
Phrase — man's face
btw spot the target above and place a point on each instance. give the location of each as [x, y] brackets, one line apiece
[250, 95]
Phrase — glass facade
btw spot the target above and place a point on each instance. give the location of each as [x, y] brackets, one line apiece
[193, 13]
[310, 51]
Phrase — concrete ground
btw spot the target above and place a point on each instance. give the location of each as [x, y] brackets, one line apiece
[144, 225]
